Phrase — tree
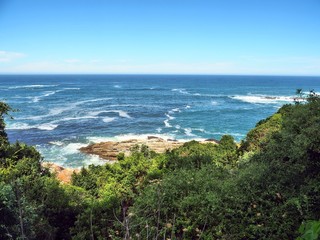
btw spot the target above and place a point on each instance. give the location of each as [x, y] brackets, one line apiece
[4, 110]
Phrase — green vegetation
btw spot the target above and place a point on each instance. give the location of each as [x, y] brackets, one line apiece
[310, 230]
[265, 188]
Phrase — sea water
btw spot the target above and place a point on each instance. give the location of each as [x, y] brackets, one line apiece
[58, 114]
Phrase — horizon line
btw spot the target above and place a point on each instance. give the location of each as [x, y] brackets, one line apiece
[168, 74]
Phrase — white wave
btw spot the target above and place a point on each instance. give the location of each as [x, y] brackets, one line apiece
[187, 107]
[33, 86]
[25, 126]
[91, 115]
[188, 132]
[166, 123]
[57, 111]
[116, 86]
[99, 139]
[214, 103]
[185, 92]
[60, 153]
[75, 118]
[135, 105]
[63, 149]
[96, 113]
[209, 95]
[46, 94]
[31, 117]
[57, 143]
[177, 126]
[75, 88]
[180, 90]
[18, 126]
[262, 99]
[52, 153]
[108, 119]
[72, 148]
[52, 112]
[159, 130]
[169, 117]
[130, 136]
[90, 100]
[95, 160]
[121, 113]
[199, 129]
[174, 110]
[47, 126]
[36, 99]
[226, 133]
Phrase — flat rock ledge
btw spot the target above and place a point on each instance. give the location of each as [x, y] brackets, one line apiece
[110, 150]
[62, 174]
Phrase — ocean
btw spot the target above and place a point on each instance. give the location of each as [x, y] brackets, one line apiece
[58, 114]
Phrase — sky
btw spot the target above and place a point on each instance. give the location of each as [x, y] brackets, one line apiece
[251, 37]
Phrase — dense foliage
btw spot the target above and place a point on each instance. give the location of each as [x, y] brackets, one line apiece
[267, 187]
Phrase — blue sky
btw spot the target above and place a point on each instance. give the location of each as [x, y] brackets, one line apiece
[273, 37]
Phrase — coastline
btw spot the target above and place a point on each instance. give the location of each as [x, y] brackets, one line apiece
[129, 107]
[109, 150]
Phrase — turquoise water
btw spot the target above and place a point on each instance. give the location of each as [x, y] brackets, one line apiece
[60, 113]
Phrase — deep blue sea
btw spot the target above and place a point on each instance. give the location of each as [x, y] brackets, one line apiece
[61, 113]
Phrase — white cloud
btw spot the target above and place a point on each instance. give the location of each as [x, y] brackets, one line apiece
[6, 56]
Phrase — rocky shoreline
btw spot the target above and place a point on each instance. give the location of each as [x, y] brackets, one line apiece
[109, 151]
[62, 174]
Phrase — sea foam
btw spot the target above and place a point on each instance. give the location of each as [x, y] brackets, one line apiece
[188, 132]
[167, 124]
[121, 113]
[108, 119]
[25, 126]
[33, 86]
[45, 94]
[129, 136]
[262, 99]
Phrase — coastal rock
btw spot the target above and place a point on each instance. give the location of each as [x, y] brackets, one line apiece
[110, 150]
[62, 174]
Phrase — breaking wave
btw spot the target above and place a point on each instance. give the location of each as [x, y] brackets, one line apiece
[25, 126]
[262, 99]
[33, 86]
